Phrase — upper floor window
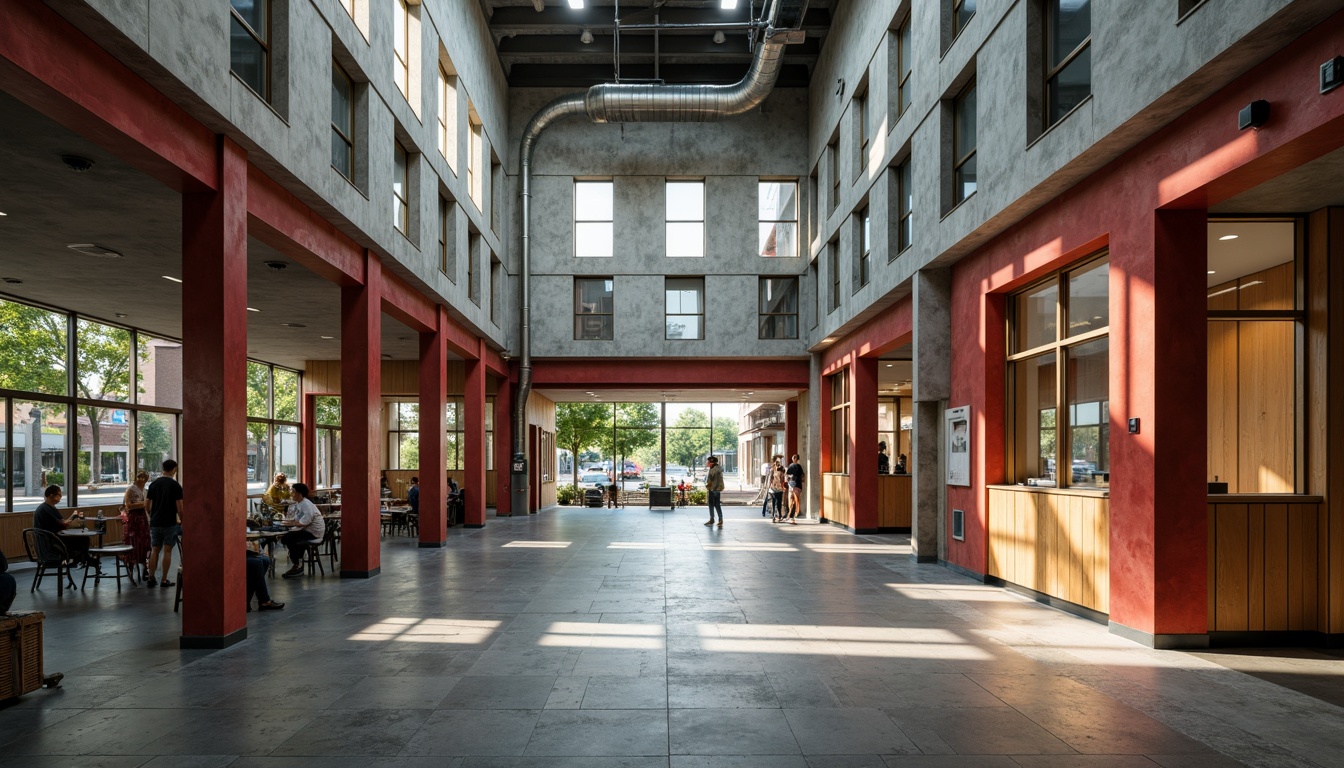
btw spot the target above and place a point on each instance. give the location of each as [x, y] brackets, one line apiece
[833, 153]
[901, 39]
[861, 129]
[447, 117]
[863, 227]
[778, 312]
[962, 11]
[401, 42]
[685, 298]
[905, 203]
[686, 218]
[250, 44]
[593, 308]
[475, 161]
[594, 218]
[833, 267]
[777, 214]
[447, 239]
[342, 122]
[401, 185]
[1068, 53]
[963, 144]
[1058, 373]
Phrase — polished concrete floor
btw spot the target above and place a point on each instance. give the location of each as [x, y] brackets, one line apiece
[597, 639]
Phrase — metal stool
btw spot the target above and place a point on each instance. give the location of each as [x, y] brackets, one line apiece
[118, 553]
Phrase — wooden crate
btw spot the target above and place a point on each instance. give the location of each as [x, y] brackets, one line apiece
[20, 653]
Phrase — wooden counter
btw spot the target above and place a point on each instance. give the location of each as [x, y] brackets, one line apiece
[894, 502]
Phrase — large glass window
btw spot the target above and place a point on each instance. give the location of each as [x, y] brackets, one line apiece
[448, 115]
[155, 440]
[249, 44]
[342, 122]
[475, 161]
[901, 39]
[272, 425]
[403, 435]
[401, 185]
[39, 453]
[777, 214]
[594, 218]
[33, 349]
[401, 37]
[1068, 56]
[593, 308]
[686, 218]
[839, 416]
[455, 417]
[963, 144]
[778, 308]
[685, 298]
[1060, 380]
[327, 416]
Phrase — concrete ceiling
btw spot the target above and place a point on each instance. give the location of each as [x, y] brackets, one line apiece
[532, 37]
[1317, 184]
[48, 206]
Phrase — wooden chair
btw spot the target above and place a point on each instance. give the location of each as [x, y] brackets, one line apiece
[46, 550]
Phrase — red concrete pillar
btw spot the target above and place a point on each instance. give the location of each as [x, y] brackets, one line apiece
[308, 436]
[1158, 498]
[433, 440]
[474, 450]
[503, 440]
[214, 404]
[361, 421]
[863, 444]
[790, 430]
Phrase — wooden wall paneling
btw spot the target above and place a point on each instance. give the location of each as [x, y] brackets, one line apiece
[1231, 564]
[1075, 547]
[1102, 529]
[1026, 538]
[1223, 296]
[1089, 565]
[322, 377]
[995, 513]
[1272, 288]
[1296, 540]
[1311, 565]
[1269, 571]
[1265, 419]
[1212, 560]
[1257, 537]
[1222, 403]
[904, 501]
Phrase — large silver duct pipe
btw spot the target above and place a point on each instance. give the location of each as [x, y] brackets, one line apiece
[634, 103]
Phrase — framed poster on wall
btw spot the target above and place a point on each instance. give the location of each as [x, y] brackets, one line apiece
[958, 431]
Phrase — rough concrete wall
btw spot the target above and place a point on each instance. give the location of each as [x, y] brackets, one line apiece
[183, 49]
[730, 156]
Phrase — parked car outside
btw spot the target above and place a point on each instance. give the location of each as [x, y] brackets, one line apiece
[594, 480]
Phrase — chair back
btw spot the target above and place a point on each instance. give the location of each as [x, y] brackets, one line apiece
[44, 546]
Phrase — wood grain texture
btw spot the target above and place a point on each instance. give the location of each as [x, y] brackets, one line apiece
[1222, 403]
[835, 498]
[894, 502]
[1057, 544]
[1271, 288]
[400, 377]
[1266, 423]
[1264, 567]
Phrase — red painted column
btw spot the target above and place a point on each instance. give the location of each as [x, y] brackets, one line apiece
[214, 405]
[474, 481]
[790, 430]
[308, 438]
[361, 422]
[433, 441]
[863, 444]
[823, 447]
[1158, 569]
[503, 440]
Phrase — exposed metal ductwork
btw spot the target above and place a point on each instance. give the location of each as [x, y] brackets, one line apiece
[638, 103]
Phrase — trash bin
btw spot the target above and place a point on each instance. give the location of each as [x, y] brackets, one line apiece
[660, 496]
[593, 497]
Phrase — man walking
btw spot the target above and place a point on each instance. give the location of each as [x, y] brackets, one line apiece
[796, 475]
[164, 496]
[714, 485]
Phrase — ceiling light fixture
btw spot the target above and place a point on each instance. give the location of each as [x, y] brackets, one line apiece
[2, 213]
[12, 280]
[718, 37]
[278, 266]
[1229, 237]
[294, 325]
[891, 365]
[89, 249]
[576, 4]
[586, 38]
[728, 5]
[174, 279]
[1213, 271]
[253, 309]
[327, 337]
[76, 163]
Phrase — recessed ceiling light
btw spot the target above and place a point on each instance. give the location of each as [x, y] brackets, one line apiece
[328, 337]
[576, 4]
[174, 279]
[89, 249]
[728, 5]
[2, 213]
[1213, 271]
[294, 325]
[1229, 237]
[253, 309]
[387, 356]
[719, 38]
[586, 38]
[119, 314]
[891, 365]
[12, 280]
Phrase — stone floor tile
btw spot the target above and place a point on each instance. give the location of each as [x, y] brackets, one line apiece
[1084, 761]
[397, 693]
[232, 732]
[995, 731]
[720, 692]
[851, 731]
[344, 732]
[731, 732]
[450, 732]
[499, 692]
[626, 693]
[599, 732]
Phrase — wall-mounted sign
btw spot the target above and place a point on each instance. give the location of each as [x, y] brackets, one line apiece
[958, 429]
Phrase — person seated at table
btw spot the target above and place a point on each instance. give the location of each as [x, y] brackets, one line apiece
[306, 521]
[276, 498]
[8, 587]
[48, 518]
[257, 566]
[413, 496]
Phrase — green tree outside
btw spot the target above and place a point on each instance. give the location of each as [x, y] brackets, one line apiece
[581, 427]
